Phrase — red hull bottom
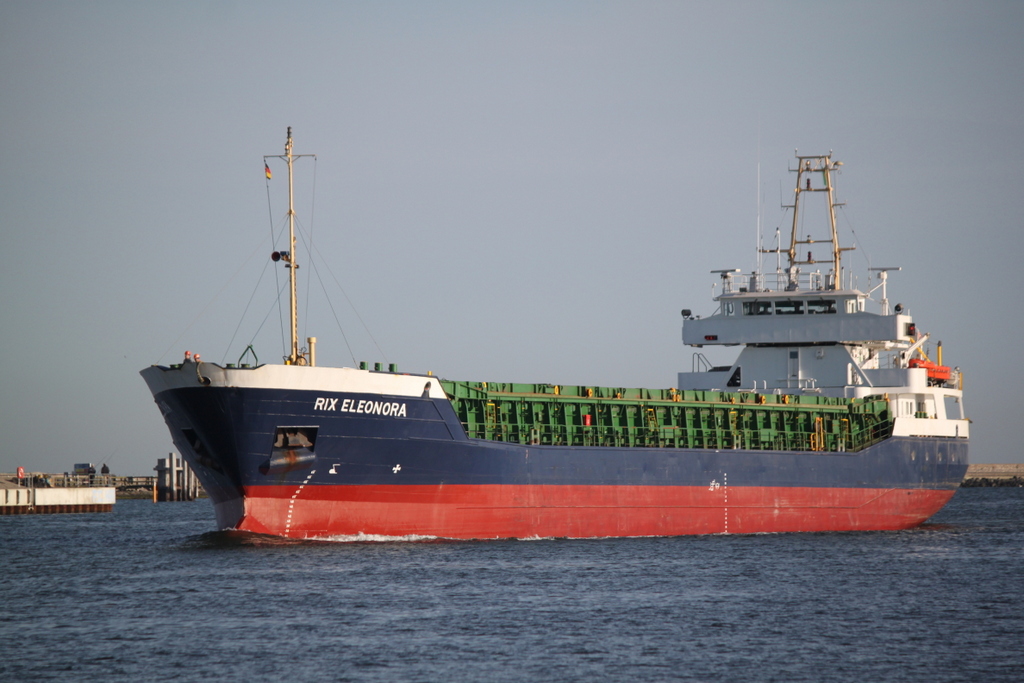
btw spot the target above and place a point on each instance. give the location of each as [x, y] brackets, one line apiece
[487, 512]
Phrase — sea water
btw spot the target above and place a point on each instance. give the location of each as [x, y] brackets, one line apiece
[149, 592]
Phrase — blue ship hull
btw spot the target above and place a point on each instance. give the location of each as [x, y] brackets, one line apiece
[415, 472]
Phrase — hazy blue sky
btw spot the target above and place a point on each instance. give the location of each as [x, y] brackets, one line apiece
[505, 191]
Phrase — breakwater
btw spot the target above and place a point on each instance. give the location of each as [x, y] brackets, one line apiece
[1002, 474]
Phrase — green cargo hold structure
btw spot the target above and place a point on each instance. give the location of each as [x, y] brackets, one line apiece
[554, 415]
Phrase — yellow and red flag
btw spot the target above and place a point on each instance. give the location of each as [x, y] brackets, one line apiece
[267, 169]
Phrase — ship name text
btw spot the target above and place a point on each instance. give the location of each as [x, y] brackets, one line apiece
[351, 405]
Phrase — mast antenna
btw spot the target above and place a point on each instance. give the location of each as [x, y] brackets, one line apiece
[296, 356]
[808, 166]
[760, 240]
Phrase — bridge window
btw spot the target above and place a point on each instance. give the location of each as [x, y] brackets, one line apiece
[791, 307]
[757, 308]
[821, 306]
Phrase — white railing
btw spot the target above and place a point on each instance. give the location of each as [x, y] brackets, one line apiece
[778, 281]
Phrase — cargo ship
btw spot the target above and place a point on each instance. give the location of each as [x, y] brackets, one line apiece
[831, 419]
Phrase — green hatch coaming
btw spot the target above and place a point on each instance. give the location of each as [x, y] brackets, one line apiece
[554, 415]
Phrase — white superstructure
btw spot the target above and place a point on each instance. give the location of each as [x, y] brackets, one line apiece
[804, 332]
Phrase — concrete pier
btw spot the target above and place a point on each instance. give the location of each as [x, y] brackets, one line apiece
[31, 500]
[175, 480]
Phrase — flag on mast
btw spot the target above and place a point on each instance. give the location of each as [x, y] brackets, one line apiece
[267, 169]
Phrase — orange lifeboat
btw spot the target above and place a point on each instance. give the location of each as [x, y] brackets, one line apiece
[935, 371]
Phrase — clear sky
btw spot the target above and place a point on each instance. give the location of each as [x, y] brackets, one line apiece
[521, 191]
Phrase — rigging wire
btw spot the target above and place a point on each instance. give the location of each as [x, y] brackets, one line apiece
[312, 216]
[352, 305]
[210, 303]
[252, 296]
[306, 237]
[314, 250]
[335, 313]
[280, 291]
[277, 285]
[273, 243]
[277, 278]
[856, 240]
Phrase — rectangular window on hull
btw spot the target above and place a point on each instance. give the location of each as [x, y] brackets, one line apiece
[292, 450]
[295, 437]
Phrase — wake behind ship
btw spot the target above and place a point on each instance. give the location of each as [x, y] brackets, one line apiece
[832, 418]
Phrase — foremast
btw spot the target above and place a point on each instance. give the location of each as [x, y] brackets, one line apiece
[296, 356]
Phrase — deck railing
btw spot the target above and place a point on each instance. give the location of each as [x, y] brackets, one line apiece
[67, 480]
